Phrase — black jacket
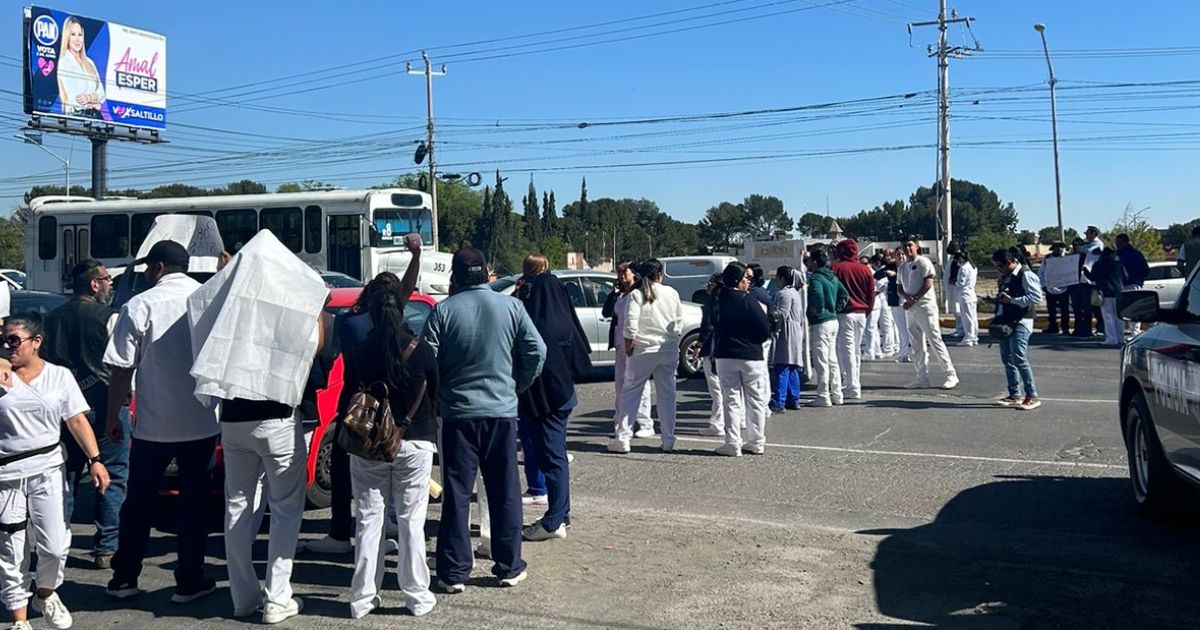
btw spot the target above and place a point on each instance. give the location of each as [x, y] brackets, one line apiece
[741, 326]
[76, 338]
[567, 348]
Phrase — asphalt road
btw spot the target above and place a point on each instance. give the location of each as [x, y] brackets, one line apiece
[908, 509]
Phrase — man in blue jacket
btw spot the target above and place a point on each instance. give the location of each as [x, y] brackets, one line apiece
[488, 352]
[1136, 270]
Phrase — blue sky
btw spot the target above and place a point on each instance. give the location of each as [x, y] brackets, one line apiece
[502, 107]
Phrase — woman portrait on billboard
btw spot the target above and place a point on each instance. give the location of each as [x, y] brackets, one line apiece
[79, 83]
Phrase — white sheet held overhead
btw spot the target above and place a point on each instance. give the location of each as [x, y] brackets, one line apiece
[254, 325]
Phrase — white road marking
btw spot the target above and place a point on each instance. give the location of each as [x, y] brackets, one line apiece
[970, 458]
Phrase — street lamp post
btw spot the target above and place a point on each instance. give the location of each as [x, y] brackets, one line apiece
[37, 142]
[1041, 29]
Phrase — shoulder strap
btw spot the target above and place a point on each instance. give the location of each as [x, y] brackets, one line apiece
[412, 347]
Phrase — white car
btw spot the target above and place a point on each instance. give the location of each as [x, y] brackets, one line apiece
[588, 291]
[1165, 279]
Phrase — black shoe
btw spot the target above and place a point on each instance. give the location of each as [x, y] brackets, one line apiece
[206, 587]
[102, 561]
[793, 407]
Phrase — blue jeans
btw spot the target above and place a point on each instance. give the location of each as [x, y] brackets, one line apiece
[550, 444]
[1014, 353]
[487, 445]
[106, 506]
[786, 380]
[535, 481]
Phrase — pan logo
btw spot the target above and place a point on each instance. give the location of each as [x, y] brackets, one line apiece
[45, 30]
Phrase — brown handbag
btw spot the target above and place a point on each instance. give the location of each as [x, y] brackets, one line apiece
[368, 429]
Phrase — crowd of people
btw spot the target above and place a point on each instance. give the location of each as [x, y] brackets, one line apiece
[487, 373]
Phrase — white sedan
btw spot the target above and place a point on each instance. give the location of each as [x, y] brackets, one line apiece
[1165, 279]
[588, 291]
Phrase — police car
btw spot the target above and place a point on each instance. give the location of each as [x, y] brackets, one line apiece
[1160, 398]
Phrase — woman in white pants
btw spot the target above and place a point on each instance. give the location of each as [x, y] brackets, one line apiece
[38, 398]
[716, 417]
[968, 302]
[877, 338]
[614, 308]
[392, 355]
[653, 323]
[741, 327]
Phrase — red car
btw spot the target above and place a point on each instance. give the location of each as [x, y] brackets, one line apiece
[320, 442]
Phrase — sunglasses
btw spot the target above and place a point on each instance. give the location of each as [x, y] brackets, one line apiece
[15, 341]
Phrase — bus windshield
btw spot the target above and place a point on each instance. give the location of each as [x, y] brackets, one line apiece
[392, 224]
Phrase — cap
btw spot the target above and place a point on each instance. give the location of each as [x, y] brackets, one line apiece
[169, 253]
[468, 260]
[1092, 228]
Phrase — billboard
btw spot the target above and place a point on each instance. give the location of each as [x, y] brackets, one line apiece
[77, 67]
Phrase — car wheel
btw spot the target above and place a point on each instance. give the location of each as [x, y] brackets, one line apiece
[1157, 489]
[320, 492]
[689, 366]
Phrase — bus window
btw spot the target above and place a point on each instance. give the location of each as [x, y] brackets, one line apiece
[47, 238]
[237, 227]
[84, 243]
[312, 230]
[286, 224]
[392, 224]
[139, 228]
[112, 235]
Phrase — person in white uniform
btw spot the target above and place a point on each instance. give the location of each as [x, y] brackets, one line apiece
[716, 416]
[653, 323]
[877, 338]
[261, 435]
[921, 310]
[950, 284]
[968, 301]
[38, 398]
[615, 306]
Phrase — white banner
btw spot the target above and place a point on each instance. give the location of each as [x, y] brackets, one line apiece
[1061, 271]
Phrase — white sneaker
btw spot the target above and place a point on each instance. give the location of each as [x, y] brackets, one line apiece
[644, 434]
[242, 613]
[328, 545]
[951, 382]
[819, 402]
[530, 498]
[275, 613]
[391, 546]
[20, 625]
[570, 458]
[904, 359]
[537, 533]
[516, 579]
[712, 431]
[482, 550]
[53, 610]
[753, 450]
[918, 384]
[617, 446]
[728, 450]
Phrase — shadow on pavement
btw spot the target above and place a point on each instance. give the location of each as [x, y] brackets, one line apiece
[1039, 552]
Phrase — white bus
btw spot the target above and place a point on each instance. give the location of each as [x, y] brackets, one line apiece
[356, 232]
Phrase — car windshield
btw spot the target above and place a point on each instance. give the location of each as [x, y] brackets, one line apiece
[340, 281]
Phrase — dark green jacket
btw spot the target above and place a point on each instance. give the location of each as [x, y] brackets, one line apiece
[827, 296]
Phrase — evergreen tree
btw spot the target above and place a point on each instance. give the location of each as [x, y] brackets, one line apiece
[533, 221]
[549, 215]
[485, 232]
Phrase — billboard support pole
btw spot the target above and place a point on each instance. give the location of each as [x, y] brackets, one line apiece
[99, 167]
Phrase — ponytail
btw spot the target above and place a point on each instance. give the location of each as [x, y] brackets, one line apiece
[646, 274]
[387, 313]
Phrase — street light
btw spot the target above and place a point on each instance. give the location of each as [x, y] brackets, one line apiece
[1041, 29]
[37, 142]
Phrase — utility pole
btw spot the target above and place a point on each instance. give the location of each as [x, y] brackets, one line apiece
[943, 53]
[429, 74]
[36, 140]
[1062, 234]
